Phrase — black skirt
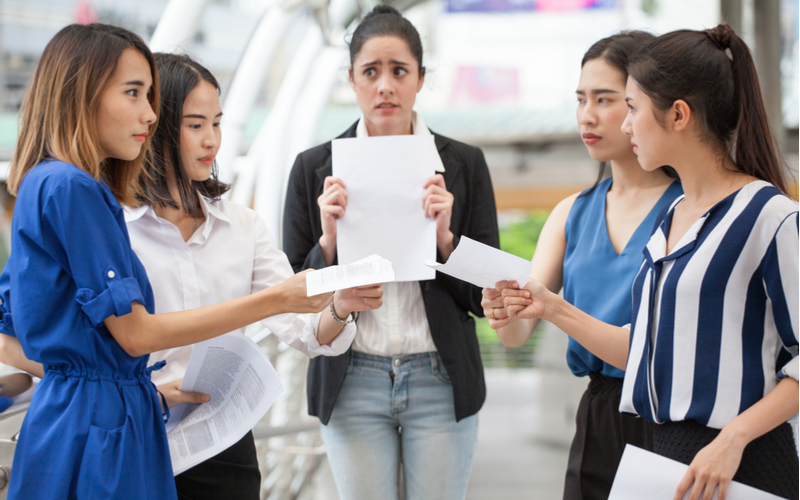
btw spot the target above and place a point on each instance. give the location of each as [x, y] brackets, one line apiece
[769, 463]
[231, 474]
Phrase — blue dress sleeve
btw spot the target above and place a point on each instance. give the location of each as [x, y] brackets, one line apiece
[84, 223]
[6, 321]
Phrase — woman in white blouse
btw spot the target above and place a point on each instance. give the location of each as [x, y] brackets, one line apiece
[199, 250]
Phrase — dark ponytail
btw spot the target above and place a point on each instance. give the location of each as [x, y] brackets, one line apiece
[385, 20]
[713, 72]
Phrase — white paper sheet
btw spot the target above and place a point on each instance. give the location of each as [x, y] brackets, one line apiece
[367, 271]
[642, 474]
[242, 384]
[482, 265]
[384, 216]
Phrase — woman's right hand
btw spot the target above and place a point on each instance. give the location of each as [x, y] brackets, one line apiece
[493, 307]
[174, 396]
[295, 295]
[332, 204]
[529, 302]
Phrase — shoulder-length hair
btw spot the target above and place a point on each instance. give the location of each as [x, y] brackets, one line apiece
[58, 118]
[179, 76]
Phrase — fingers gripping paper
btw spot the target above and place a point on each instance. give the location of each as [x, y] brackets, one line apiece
[242, 384]
[384, 214]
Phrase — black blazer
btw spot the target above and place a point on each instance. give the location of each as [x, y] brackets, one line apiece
[447, 300]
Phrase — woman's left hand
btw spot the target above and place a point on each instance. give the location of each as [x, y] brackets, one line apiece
[174, 396]
[438, 204]
[713, 467]
[360, 298]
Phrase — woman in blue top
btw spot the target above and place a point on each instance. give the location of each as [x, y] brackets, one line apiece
[592, 246]
[73, 291]
[711, 354]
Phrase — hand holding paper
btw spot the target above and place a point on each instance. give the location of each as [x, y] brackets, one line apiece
[367, 271]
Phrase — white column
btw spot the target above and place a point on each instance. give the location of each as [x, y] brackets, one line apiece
[178, 25]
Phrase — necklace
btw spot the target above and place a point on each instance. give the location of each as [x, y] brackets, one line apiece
[195, 225]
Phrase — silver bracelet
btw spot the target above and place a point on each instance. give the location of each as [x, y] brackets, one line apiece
[353, 315]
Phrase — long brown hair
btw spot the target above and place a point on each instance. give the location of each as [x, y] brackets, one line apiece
[58, 118]
[713, 72]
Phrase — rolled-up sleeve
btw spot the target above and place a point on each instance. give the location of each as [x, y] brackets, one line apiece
[84, 227]
[781, 285]
[6, 319]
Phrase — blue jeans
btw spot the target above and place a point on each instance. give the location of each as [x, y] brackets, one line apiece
[393, 411]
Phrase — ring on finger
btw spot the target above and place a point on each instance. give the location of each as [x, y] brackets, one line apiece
[491, 313]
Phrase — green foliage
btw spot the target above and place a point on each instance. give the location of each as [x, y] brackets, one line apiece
[521, 236]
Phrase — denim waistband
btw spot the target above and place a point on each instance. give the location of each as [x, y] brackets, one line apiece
[408, 362]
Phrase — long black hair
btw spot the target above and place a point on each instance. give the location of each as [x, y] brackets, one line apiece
[385, 20]
[616, 50]
[179, 75]
[713, 72]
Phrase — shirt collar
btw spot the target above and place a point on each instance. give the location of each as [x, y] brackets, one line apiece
[210, 210]
[418, 127]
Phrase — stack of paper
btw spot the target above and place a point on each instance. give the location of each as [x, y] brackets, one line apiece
[367, 271]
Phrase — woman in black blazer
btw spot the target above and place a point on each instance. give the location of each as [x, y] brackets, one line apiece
[409, 389]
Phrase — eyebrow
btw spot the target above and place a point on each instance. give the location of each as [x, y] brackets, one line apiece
[135, 82]
[597, 91]
[201, 117]
[392, 61]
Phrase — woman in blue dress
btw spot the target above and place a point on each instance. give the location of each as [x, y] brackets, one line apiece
[710, 354]
[73, 291]
[591, 238]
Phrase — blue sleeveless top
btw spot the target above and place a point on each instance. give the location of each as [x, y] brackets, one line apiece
[597, 280]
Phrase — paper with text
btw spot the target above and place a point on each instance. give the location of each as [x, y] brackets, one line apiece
[384, 216]
[367, 271]
[242, 384]
[642, 474]
[482, 265]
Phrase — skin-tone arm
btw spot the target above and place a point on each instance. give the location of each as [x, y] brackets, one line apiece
[607, 342]
[345, 302]
[715, 465]
[546, 267]
[11, 354]
[140, 333]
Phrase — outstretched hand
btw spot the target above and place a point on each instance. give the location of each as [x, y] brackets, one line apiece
[174, 396]
[528, 302]
[295, 298]
[493, 307]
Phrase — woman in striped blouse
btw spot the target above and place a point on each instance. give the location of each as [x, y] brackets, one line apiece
[712, 350]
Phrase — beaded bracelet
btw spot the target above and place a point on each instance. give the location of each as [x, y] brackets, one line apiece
[352, 316]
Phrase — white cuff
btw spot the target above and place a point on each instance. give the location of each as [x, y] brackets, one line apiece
[790, 369]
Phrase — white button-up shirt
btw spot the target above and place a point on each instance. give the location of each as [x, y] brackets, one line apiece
[229, 256]
[400, 325]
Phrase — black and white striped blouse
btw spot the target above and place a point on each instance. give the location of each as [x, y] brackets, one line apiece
[714, 324]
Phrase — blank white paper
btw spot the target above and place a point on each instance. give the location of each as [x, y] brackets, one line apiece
[482, 265]
[384, 215]
[642, 474]
[367, 271]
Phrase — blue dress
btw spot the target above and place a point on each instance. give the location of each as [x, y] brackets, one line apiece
[597, 280]
[94, 428]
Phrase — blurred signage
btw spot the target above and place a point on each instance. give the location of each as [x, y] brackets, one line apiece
[482, 85]
[527, 5]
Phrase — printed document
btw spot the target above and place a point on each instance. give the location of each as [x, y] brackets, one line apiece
[242, 384]
[642, 474]
[482, 265]
[384, 214]
[367, 271]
